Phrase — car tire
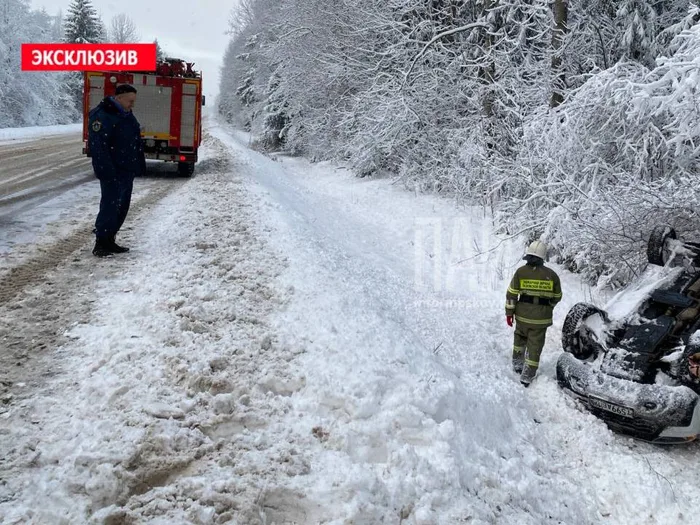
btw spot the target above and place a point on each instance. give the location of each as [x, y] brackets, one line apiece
[683, 370]
[580, 344]
[657, 253]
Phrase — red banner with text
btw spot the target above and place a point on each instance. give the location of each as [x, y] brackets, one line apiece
[85, 57]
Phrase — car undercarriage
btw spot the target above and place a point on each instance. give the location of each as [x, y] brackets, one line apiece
[639, 372]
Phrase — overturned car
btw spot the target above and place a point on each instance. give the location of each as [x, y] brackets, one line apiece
[636, 365]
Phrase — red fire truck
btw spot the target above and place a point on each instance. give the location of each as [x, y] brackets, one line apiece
[168, 107]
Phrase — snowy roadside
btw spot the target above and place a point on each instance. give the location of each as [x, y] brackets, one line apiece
[420, 416]
[26, 134]
[165, 366]
[408, 373]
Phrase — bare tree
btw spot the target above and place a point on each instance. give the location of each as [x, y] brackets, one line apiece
[123, 30]
[241, 16]
[561, 15]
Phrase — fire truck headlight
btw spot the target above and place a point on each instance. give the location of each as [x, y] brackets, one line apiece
[150, 143]
[113, 79]
[163, 144]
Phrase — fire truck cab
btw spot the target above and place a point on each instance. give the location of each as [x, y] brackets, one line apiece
[168, 107]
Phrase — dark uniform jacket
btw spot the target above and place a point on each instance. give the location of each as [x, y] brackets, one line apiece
[115, 142]
[532, 295]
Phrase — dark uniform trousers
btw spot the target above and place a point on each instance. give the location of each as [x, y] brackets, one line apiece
[114, 206]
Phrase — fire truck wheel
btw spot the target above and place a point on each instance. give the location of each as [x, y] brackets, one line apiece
[185, 169]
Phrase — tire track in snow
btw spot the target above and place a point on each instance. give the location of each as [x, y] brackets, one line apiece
[50, 257]
[243, 392]
[45, 294]
[33, 196]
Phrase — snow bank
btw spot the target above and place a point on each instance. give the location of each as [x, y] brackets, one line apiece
[174, 375]
[14, 135]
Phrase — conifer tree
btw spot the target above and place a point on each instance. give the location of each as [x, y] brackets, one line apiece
[82, 25]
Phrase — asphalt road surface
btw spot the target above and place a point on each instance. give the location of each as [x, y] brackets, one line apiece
[36, 171]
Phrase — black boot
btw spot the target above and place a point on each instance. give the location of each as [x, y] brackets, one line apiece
[101, 248]
[115, 247]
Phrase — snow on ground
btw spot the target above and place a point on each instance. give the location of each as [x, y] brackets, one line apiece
[25, 134]
[51, 220]
[161, 369]
[430, 400]
[289, 344]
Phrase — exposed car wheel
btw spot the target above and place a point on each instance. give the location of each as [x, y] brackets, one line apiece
[185, 169]
[657, 249]
[688, 367]
[576, 338]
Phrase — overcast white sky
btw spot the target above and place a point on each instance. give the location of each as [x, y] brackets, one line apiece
[193, 30]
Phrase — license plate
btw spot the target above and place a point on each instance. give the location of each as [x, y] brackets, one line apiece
[611, 407]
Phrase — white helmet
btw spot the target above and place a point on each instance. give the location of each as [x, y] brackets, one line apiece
[538, 249]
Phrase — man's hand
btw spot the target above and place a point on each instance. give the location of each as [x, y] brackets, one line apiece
[509, 320]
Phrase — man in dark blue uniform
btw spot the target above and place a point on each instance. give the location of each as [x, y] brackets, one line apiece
[117, 154]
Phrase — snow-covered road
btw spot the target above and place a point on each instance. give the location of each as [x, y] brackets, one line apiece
[289, 344]
[34, 171]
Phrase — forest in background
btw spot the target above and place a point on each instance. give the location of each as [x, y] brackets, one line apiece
[48, 98]
[575, 121]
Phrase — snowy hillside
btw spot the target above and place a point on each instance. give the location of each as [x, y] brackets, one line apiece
[286, 343]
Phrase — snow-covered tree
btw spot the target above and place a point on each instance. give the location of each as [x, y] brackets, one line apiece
[275, 120]
[617, 159]
[530, 107]
[681, 16]
[57, 30]
[29, 98]
[561, 20]
[122, 29]
[160, 54]
[244, 74]
[82, 25]
[638, 20]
